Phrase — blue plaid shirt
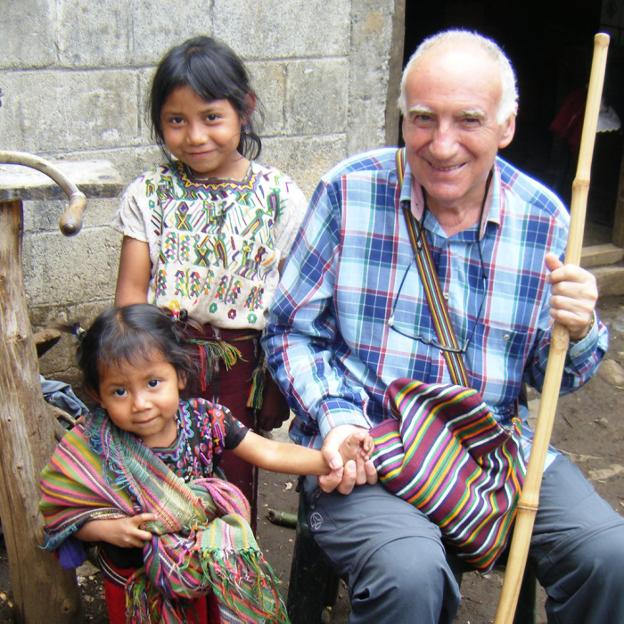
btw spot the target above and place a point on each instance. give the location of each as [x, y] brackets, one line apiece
[350, 315]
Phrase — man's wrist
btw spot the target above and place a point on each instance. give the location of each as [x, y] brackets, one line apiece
[588, 329]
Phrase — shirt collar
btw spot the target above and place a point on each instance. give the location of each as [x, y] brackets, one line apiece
[414, 194]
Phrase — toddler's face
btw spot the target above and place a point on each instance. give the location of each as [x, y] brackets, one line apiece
[142, 397]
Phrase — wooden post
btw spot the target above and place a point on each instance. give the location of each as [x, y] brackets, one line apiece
[42, 591]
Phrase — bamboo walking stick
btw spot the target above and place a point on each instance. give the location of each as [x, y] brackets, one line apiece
[529, 499]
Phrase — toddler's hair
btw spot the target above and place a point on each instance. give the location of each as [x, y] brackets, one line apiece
[130, 334]
[214, 72]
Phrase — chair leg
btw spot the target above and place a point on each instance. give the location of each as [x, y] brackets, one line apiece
[526, 606]
[313, 584]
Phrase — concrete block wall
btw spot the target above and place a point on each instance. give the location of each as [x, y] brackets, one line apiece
[74, 75]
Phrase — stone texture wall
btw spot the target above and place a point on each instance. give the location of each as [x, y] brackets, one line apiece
[74, 76]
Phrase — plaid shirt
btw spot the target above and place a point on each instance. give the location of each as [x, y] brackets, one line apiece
[350, 315]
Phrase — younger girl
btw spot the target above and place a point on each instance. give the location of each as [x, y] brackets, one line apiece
[135, 477]
[204, 234]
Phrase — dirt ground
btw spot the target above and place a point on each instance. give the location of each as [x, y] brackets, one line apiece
[589, 428]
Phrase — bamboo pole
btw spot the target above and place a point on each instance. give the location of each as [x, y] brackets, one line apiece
[529, 499]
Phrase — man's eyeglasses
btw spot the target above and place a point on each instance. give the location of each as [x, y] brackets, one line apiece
[431, 341]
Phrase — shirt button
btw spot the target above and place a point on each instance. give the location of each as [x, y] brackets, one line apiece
[506, 337]
[445, 295]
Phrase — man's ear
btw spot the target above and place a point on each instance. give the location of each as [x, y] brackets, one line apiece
[508, 131]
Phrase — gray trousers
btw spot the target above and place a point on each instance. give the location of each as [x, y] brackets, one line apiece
[397, 569]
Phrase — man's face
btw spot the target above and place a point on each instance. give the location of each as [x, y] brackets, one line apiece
[450, 127]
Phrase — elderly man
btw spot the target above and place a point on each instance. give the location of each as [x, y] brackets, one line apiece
[351, 316]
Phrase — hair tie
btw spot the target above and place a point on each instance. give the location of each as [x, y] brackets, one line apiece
[175, 314]
[75, 329]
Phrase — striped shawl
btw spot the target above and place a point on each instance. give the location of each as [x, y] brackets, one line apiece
[201, 540]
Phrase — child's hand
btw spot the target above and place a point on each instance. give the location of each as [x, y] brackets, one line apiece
[347, 441]
[355, 451]
[358, 444]
[126, 532]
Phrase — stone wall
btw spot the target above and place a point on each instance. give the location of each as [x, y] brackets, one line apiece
[74, 76]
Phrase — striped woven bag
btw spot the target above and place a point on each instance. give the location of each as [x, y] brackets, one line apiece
[445, 453]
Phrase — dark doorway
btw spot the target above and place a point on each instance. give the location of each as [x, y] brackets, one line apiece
[550, 45]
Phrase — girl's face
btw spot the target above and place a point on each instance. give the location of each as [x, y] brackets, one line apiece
[142, 397]
[203, 135]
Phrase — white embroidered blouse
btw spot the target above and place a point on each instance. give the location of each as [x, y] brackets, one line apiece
[214, 245]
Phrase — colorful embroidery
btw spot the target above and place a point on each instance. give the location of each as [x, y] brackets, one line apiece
[169, 247]
[180, 283]
[229, 289]
[213, 242]
[202, 253]
[182, 217]
[254, 300]
[161, 282]
[195, 284]
[219, 250]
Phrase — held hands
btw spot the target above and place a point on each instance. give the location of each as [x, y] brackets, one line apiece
[574, 296]
[347, 450]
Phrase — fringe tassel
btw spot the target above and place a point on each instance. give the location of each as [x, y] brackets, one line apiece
[256, 390]
[146, 605]
[211, 354]
[246, 586]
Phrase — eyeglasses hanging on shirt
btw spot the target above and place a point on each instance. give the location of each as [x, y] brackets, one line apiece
[404, 310]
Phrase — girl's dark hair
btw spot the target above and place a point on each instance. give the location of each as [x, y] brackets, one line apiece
[129, 334]
[214, 72]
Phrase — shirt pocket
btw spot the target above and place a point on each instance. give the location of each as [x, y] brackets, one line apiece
[504, 355]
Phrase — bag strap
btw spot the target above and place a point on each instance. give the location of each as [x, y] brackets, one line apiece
[433, 291]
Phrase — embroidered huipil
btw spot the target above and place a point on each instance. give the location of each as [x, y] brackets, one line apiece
[205, 430]
[350, 315]
[214, 245]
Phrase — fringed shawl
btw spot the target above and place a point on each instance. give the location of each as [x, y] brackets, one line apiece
[202, 542]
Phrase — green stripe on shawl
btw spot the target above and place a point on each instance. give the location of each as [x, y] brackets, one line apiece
[201, 544]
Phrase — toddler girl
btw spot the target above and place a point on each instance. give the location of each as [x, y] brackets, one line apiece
[136, 477]
[205, 233]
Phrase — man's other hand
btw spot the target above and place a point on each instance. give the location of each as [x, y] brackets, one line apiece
[574, 296]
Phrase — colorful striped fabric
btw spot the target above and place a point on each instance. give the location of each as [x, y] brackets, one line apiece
[445, 454]
[202, 542]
